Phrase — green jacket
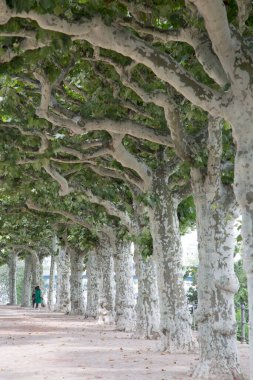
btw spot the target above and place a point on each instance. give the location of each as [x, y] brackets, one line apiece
[38, 298]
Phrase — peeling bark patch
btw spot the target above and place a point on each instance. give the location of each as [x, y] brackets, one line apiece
[249, 196]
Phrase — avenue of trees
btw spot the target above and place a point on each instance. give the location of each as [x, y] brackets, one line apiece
[129, 121]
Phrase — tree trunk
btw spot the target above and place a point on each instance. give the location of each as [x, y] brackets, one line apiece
[27, 282]
[243, 188]
[63, 282]
[147, 308]
[12, 265]
[76, 282]
[50, 296]
[175, 322]
[42, 282]
[36, 271]
[217, 283]
[124, 303]
[106, 291]
[92, 285]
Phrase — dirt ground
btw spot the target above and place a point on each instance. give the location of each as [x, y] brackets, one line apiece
[37, 345]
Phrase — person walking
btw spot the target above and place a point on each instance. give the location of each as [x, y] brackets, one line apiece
[38, 297]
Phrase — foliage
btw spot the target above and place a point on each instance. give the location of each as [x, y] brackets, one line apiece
[241, 296]
[187, 215]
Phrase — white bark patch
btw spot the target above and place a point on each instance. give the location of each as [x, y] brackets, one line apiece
[27, 282]
[217, 282]
[76, 282]
[106, 282]
[124, 303]
[175, 322]
[244, 194]
[63, 282]
[50, 297]
[36, 271]
[147, 308]
[92, 285]
[12, 265]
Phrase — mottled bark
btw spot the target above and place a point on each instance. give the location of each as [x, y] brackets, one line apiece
[50, 296]
[63, 283]
[76, 282]
[36, 271]
[124, 302]
[41, 269]
[92, 285]
[12, 265]
[106, 281]
[217, 283]
[147, 308]
[175, 322]
[27, 282]
[244, 195]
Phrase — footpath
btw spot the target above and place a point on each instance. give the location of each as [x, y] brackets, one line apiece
[37, 345]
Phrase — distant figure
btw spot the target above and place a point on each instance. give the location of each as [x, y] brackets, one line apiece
[38, 297]
[33, 298]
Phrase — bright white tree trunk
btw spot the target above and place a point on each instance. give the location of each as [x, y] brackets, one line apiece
[76, 282]
[175, 320]
[36, 271]
[124, 302]
[27, 282]
[63, 281]
[12, 265]
[217, 282]
[106, 282]
[92, 285]
[51, 285]
[50, 296]
[42, 282]
[243, 188]
[147, 308]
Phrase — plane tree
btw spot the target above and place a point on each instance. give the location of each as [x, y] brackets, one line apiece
[228, 96]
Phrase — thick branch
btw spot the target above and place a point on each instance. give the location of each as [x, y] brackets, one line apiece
[44, 139]
[124, 42]
[30, 42]
[200, 43]
[244, 9]
[66, 214]
[46, 89]
[214, 152]
[129, 160]
[110, 208]
[65, 189]
[215, 17]
[183, 193]
[113, 173]
[129, 128]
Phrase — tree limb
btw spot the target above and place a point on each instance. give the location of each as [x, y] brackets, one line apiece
[193, 37]
[44, 140]
[65, 189]
[216, 22]
[124, 42]
[244, 9]
[66, 214]
[109, 206]
[113, 173]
